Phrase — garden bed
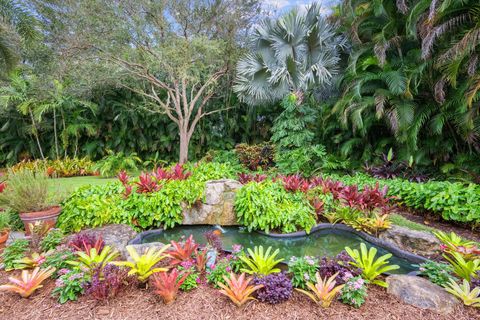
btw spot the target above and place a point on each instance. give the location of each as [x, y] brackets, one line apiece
[207, 303]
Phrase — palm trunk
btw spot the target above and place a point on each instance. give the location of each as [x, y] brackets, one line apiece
[35, 133]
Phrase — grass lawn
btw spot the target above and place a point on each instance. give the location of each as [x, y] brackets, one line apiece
[68, 185]
[404, 222]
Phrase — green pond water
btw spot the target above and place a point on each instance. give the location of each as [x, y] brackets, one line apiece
[320, 243]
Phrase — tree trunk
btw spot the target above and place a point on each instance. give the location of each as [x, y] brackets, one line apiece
[55, 134]
[35, 133]
[184, 142]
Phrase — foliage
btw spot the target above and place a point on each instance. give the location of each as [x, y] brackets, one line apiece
[167, 284]
[191, 281]
[5, 219]
[85, 241]
[371, 267]
[296, 51]
[26, 191]
[437, 272]
[339, 265]
[277, 288]
[113, 163]
[267, 206]
[13, 253]
[34, 260]
[216, 275]
[469, 297]
[261, 262]
[303, 270]
[93, 258]
[245, 178]
[238, 289]
[107, 282]
[69, 285]
[28, 283]
[305, 160]
[465, 269]
[182, 251]
[454, 243]
[254, 157]
[143, 266]
[52, 240]
[93, 206]
[324, 290]
[213, 240]
[59, 168]
[59, 260]
[354, 292]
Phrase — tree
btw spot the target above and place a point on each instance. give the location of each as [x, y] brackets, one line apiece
[292, 53]
[17, 27]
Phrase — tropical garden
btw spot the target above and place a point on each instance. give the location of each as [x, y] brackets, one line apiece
[238, 159]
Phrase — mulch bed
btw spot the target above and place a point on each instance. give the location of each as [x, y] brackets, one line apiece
[435, 221]
[208, 303]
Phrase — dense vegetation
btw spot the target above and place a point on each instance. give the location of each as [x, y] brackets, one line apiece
[407, 79]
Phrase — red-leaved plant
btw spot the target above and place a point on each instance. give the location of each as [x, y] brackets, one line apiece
[295, 183]
[201, 260]
[86, 242]
[176, 173]
[146, 184]
[3, 185]
[245, 178]
[167, 284]
[182, 251]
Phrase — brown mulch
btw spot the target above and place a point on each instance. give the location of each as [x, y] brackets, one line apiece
[208, 303]
[435, 222]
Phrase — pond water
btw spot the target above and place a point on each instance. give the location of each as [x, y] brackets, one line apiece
[320, 243]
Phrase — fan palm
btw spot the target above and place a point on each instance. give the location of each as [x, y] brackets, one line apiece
[291, 53]
[17, 26]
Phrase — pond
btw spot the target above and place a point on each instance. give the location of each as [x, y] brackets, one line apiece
[318, 243]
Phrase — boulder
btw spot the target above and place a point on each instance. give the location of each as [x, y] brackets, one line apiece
[217, 208]
[421, 293]
[418, 242]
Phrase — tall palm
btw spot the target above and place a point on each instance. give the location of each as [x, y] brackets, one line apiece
[291, 53]
[17, 26]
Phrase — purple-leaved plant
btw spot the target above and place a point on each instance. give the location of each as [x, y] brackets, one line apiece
[107, 282]
[341, 264]
[277, 288]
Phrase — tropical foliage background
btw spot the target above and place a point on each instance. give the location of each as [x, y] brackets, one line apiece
[371, 76]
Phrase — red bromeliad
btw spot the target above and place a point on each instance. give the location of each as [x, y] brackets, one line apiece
[295, 183]
[183, 252]
[147, 184]
[167, 284]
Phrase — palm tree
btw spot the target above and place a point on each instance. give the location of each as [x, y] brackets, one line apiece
[17, 26]
[21, 94]
[288, 54]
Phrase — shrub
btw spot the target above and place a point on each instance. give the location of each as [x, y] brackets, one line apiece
[267, 206]
[114, 162]
[303, 269]
[59, 260]
[354, 292]
[302, 160]
[93, 206]
[215, 275]
[191, 281]
[52, 239]
[256, 156]
[438, 273]
[69, 285]
[14, 253]
[107, 282]
[66, 167]
[276, 288]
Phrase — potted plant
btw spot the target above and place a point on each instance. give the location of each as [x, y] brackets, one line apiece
[4, 227]
[27, 192]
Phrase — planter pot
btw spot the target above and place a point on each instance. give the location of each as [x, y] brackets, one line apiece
[48, 217]
[3, 238]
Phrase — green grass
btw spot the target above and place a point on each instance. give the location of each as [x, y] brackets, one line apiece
[68, 185]
[404, 222]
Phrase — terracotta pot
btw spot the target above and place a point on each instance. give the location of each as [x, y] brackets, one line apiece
[4, 236]
[48, 217]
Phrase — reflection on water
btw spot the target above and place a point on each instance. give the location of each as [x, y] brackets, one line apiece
[321, 243]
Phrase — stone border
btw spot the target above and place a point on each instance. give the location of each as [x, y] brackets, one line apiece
[411, 257]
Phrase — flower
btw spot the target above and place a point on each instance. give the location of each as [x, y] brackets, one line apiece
[306, 276]
[236, 248]
[59, 283]
[63, 271]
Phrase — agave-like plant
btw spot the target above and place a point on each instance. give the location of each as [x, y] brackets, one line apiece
[167, 284]
[470, 297]
[143, 266]
[94, 259]
[260, 262]
[238, 289]
[181, 252]
[371, 267]
[324, 291]
[290, 53]
[465, 269]
[29, 282]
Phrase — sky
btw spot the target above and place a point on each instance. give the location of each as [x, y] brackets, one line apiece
[288, 4]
